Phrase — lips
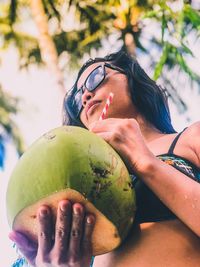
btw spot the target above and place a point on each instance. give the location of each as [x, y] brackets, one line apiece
[90, 105]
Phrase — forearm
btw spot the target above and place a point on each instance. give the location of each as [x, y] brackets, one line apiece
[176, 190]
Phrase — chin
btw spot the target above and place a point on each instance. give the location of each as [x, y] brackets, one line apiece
[91, 120]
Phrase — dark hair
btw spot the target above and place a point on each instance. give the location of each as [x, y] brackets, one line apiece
[149, 98]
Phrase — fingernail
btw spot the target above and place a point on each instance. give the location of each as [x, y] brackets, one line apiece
[43, 212]
[90, 219]
[63, 207]
[76, 210]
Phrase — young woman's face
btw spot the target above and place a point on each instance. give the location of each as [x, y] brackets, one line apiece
[94, 102]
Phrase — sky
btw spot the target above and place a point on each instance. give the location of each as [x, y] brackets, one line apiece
[40, 111]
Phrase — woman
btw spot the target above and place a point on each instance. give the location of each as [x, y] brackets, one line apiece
[167, 225]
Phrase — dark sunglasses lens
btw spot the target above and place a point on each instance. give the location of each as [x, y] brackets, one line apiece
[95, 78]
[74, 98]
[74, 103]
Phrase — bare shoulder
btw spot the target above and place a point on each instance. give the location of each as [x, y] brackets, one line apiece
[194, 129]
[192, 134]
[192, 138]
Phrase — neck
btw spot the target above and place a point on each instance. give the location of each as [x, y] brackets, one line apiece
[148, 131]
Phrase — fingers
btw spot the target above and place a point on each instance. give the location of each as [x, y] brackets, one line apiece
[111, 130]
[86, 240]
[103, 125]
[109, 124]
[45, 232]
[76, 232]
[73, 231]
[109, 137]
[63, 224]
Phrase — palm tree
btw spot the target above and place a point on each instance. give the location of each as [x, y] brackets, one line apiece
[47, 46]
[94, 21]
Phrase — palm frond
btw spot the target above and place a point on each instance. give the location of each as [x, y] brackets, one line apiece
[13, 11]
[9, 107]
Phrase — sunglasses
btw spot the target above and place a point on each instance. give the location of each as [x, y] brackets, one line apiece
[73, 101]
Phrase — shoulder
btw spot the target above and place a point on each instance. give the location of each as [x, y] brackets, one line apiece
[192, 133]
[192, 138]
[194, 129]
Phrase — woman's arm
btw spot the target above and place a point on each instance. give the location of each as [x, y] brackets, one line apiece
[178, 192]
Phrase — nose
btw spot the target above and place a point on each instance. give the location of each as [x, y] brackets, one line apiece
[87, 95]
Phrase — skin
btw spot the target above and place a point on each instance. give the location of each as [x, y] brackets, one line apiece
[173, 243]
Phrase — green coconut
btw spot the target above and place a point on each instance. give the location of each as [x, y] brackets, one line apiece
[72, 163]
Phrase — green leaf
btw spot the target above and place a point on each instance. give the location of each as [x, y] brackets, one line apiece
[150, 14]
[180, 24]
[186, 49]
[13, 11]
[186, 68]
[159, 66]
[193, 16]
[163, 27]
[8, 107]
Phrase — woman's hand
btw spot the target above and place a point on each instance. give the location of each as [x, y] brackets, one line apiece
[67, 244]
[125, 137]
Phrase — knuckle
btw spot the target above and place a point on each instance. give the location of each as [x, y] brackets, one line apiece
[128, 122]
[76, 233]
[44, 235]
[115, 136]
[63, 217]
[61, 233]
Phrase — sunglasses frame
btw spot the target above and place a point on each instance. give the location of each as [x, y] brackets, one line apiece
[70, 102]
[105, 64]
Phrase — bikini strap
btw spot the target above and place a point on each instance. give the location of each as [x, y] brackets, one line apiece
[171, 149]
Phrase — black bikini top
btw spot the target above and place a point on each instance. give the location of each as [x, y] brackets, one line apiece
[149, 206]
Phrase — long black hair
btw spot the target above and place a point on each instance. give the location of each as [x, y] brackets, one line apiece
[148, 97]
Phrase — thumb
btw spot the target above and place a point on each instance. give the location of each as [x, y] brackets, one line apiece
[26, 246]
[22, 241]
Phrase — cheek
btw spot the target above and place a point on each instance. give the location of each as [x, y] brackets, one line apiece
[83, 118]
[122, 85]
[123, 91]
